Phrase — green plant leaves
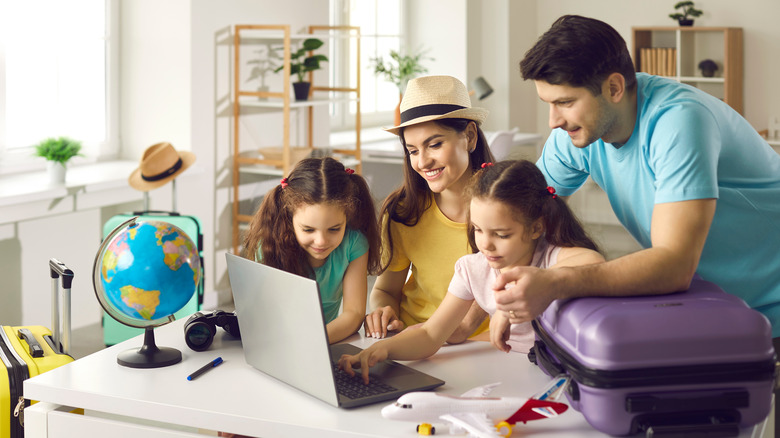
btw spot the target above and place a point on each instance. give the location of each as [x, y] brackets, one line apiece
[300, 64]
[59, 149]
[400, 68]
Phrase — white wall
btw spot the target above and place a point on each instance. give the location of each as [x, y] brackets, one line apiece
[439, 27]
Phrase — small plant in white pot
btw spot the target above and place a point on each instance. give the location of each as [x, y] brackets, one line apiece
[57, 152]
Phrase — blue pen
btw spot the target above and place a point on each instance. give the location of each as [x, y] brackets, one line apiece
[205, 368]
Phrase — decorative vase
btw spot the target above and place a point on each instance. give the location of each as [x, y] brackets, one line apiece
[56, 172]
[398, 110]
[301, 90]
[686, 22]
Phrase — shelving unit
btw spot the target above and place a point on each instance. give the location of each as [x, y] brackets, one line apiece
[692, 45]
[251, 163]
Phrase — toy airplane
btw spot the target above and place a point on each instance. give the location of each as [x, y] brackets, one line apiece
[474, 412]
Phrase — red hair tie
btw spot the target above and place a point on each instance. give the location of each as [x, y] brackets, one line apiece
[284, 183]
[484, 165]
[551, 190]
[349, 171]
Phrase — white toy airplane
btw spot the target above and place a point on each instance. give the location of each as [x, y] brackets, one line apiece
[474, 412]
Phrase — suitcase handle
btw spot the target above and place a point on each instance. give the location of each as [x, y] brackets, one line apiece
[708, 430]
[726, 400]
[58, 269]
[34, 347]
[157, 212]
[545, 362]
[723, 423]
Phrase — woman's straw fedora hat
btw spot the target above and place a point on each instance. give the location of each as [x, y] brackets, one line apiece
[436, 97]
[160, 163]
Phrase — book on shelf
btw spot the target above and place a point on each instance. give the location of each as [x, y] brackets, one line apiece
[661, 61]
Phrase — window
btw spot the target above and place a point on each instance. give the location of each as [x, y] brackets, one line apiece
[381, 27]
[55, 66]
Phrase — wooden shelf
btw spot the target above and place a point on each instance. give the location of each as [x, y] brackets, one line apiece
[280, 100]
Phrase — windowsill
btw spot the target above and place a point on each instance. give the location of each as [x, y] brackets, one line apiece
[21, 188]
[28, 195]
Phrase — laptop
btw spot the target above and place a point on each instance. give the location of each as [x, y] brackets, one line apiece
[283, 335]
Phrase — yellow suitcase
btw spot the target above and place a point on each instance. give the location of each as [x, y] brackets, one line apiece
[27, 351]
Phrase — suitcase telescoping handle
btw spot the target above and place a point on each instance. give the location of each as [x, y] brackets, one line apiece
[58, 269]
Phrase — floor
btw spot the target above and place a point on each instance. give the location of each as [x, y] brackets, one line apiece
[86, 340]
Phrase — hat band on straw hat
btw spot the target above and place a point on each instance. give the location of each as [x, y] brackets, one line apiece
[166, 173]
[436, 109]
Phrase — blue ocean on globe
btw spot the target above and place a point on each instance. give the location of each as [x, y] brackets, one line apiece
[148, 271]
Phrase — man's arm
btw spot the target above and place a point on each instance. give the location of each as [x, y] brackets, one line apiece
[678, 233]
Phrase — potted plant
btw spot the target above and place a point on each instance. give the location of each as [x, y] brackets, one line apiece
[399, 69]
[708, 68]
[300, 64]
[687, 11]
[57, 152]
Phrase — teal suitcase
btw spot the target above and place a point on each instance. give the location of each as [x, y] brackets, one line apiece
[115, 332]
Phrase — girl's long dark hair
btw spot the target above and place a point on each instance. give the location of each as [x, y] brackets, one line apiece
[312, 181]
[407, 203]
[521, 186]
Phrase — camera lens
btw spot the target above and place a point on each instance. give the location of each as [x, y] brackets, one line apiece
[199, 336]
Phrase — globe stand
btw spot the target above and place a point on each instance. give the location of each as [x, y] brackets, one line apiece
[149, 355]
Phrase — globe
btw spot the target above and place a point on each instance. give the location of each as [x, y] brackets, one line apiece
[144, 272]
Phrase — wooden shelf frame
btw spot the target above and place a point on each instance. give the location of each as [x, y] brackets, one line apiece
[282, 101]
[733, 57]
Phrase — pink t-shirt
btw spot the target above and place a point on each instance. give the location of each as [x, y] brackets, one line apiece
[474, 278]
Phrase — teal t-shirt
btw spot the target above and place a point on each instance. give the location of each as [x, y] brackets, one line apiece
[689, 145]
[330, 276]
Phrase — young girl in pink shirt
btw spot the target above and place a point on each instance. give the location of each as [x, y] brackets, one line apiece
[515, 219]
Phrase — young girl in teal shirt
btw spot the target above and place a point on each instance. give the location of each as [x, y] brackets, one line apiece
[320, 223]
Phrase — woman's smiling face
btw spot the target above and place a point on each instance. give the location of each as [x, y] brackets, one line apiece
[439, 154]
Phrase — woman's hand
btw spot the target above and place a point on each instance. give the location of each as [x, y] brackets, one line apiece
[363, 360]
[499, 331]
[382, 320]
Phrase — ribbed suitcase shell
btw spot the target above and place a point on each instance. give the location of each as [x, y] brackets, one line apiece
[19, 365]
[665, 360]
[115, 332]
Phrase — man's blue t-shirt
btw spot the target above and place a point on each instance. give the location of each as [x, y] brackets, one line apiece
[688, 145]
[330, 276]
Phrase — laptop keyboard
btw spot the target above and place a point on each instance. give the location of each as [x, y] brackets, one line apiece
[354, 388]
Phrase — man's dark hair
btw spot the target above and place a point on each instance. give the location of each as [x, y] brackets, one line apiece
[579, 52]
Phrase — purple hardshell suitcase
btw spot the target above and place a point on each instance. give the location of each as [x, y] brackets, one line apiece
[690, 361]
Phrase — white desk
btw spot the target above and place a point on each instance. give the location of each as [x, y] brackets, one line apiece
[235, 397]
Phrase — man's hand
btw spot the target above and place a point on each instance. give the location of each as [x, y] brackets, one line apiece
[524, 292]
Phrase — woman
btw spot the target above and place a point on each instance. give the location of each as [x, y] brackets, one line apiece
[424, 221]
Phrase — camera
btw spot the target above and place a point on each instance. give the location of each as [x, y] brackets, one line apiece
[200, 328]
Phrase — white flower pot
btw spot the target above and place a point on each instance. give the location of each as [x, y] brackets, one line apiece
[56, 173]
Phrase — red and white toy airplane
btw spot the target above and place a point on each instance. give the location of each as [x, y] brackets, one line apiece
[474, 412]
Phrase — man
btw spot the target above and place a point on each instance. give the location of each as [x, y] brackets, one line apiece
[686, 175]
